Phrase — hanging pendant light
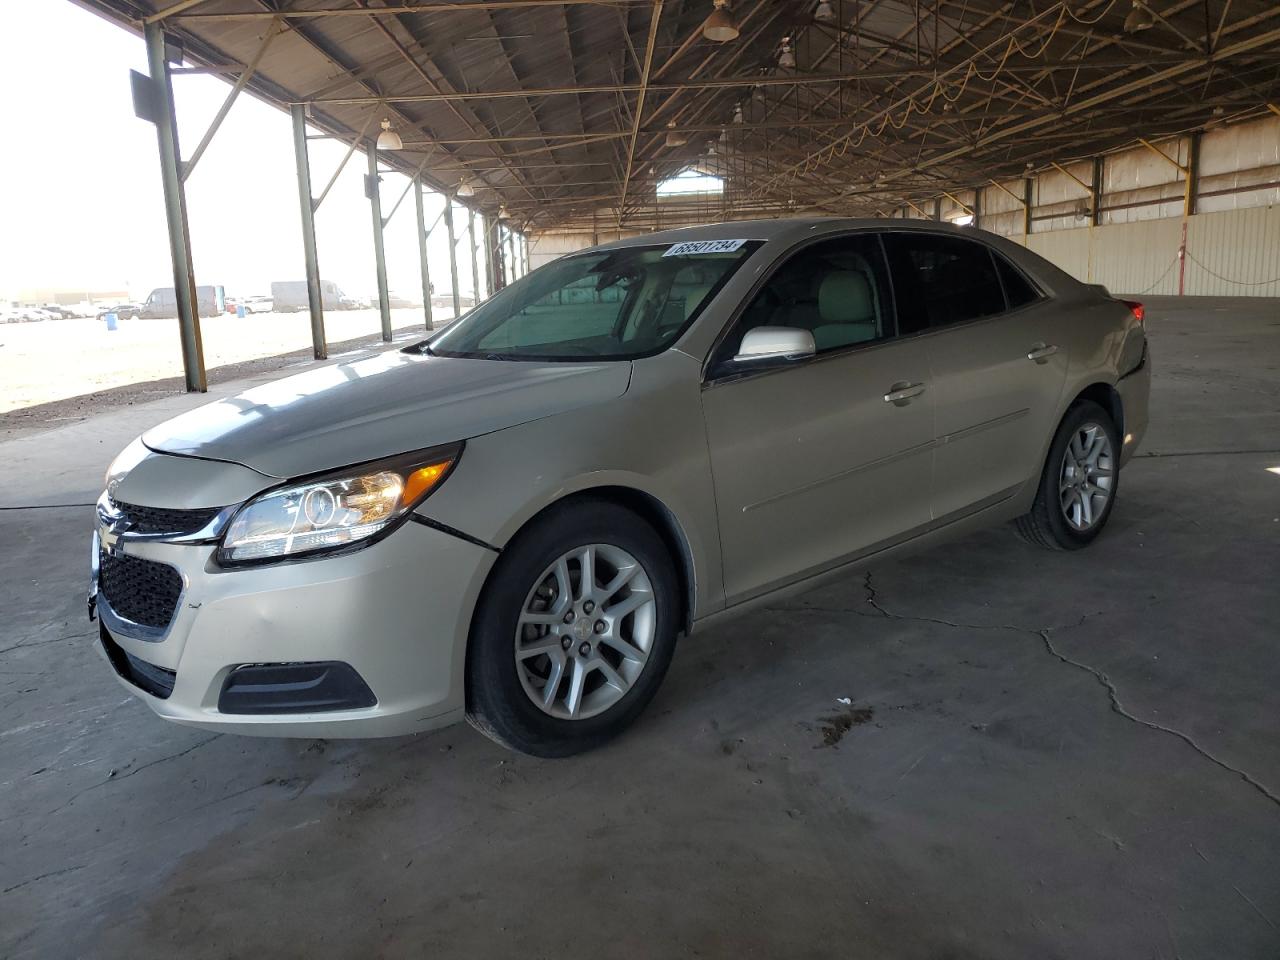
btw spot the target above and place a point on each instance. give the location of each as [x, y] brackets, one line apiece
[675, 138]
[503, 212]
[465, 189]
[824, 13]
[388, 139]
[1139, 18]
[737, 113]
[720, 26]
[786, 57]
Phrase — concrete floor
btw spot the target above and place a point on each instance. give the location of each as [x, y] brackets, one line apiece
[1044, 756]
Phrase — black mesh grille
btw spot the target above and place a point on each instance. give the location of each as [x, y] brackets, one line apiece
[140, 590]
[162, 520]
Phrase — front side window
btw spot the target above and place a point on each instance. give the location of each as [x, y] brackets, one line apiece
[940, 280]
[836, 289]
[613, 304]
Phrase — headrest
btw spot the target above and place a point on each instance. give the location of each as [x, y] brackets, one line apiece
[845, 297]
[693, 299]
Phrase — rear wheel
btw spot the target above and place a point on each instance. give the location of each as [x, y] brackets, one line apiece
[1078, 487]
[574, 632]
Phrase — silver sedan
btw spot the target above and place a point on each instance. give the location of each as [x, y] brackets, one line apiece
[515, 519]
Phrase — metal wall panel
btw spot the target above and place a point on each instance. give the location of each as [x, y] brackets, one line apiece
[1234, 253]
[1229, 253]
[1066, 249]
[1139, 257]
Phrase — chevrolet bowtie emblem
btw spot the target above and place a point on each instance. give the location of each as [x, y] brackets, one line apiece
[110, 538]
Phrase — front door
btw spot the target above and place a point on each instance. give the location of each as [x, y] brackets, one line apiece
[818, 460]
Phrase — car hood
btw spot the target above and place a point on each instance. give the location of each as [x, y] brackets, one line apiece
[380, 406]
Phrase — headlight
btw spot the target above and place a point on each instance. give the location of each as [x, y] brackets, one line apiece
[335, 510]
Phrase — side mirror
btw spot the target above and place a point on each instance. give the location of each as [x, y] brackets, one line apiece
[775, 343]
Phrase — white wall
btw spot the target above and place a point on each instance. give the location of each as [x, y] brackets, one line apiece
[552, 244]
[1229, 253]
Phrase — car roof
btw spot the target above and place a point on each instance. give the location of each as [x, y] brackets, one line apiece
[782, 228]
[789, 230]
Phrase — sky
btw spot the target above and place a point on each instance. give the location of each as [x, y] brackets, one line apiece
[81, 204]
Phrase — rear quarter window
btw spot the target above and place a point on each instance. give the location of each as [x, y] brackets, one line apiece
[1018, 290]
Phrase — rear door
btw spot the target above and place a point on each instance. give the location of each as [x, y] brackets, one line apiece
[997, 369]
[812, 460]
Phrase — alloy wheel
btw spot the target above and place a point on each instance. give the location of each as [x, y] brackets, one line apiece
[1087, 476]
[585, 632]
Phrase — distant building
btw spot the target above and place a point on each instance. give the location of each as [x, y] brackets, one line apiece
[39, 296]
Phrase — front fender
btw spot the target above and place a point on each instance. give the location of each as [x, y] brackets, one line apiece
[650, 440]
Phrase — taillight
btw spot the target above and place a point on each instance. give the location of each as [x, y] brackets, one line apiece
[1138, 310]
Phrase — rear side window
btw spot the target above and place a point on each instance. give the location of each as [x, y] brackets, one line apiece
[1017, 288]
[940, 280]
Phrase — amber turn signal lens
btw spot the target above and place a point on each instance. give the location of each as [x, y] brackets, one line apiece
[419, 483]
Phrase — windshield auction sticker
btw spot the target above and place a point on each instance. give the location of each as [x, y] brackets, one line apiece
[703, 246]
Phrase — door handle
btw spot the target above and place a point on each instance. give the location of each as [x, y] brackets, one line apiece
[903, 392]
[1041, 352]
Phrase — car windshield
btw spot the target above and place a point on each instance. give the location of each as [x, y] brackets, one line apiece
[613, 304]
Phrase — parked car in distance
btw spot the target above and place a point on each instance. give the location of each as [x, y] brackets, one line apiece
[123, 311]
[515, 519]
[258, 304]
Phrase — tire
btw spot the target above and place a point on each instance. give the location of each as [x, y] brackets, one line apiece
[507, 692]
[1052, 523]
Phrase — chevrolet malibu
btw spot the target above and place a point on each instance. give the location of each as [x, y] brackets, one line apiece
[513, 520]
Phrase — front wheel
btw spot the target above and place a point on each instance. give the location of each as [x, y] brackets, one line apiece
[1078, 487]
[573, 632]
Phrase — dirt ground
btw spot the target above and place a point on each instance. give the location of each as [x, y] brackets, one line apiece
[57, 359]
[38, 391]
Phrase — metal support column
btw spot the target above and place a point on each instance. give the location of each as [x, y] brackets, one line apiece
[1193, 174]
[379, 255]
[486, 236]
[453, 255]
[175, 209]
[495, 246]
[306, 205]
[423, 241]
[1026, 208]
[475, 263]
[1095, 194]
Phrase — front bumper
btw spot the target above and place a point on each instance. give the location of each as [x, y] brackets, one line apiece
[396, 612]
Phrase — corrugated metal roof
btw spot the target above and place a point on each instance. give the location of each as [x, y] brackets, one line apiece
[891, 101]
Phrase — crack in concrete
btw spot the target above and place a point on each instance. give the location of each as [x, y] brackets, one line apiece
[1155, 455]
[43, 876]
[47, 506]
[40, 643]
[1099, 675]
[112, 778]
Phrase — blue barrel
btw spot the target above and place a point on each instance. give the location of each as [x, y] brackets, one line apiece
[112, 320]
[240, 310]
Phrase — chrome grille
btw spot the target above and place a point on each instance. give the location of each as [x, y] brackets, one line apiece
[163, 520]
